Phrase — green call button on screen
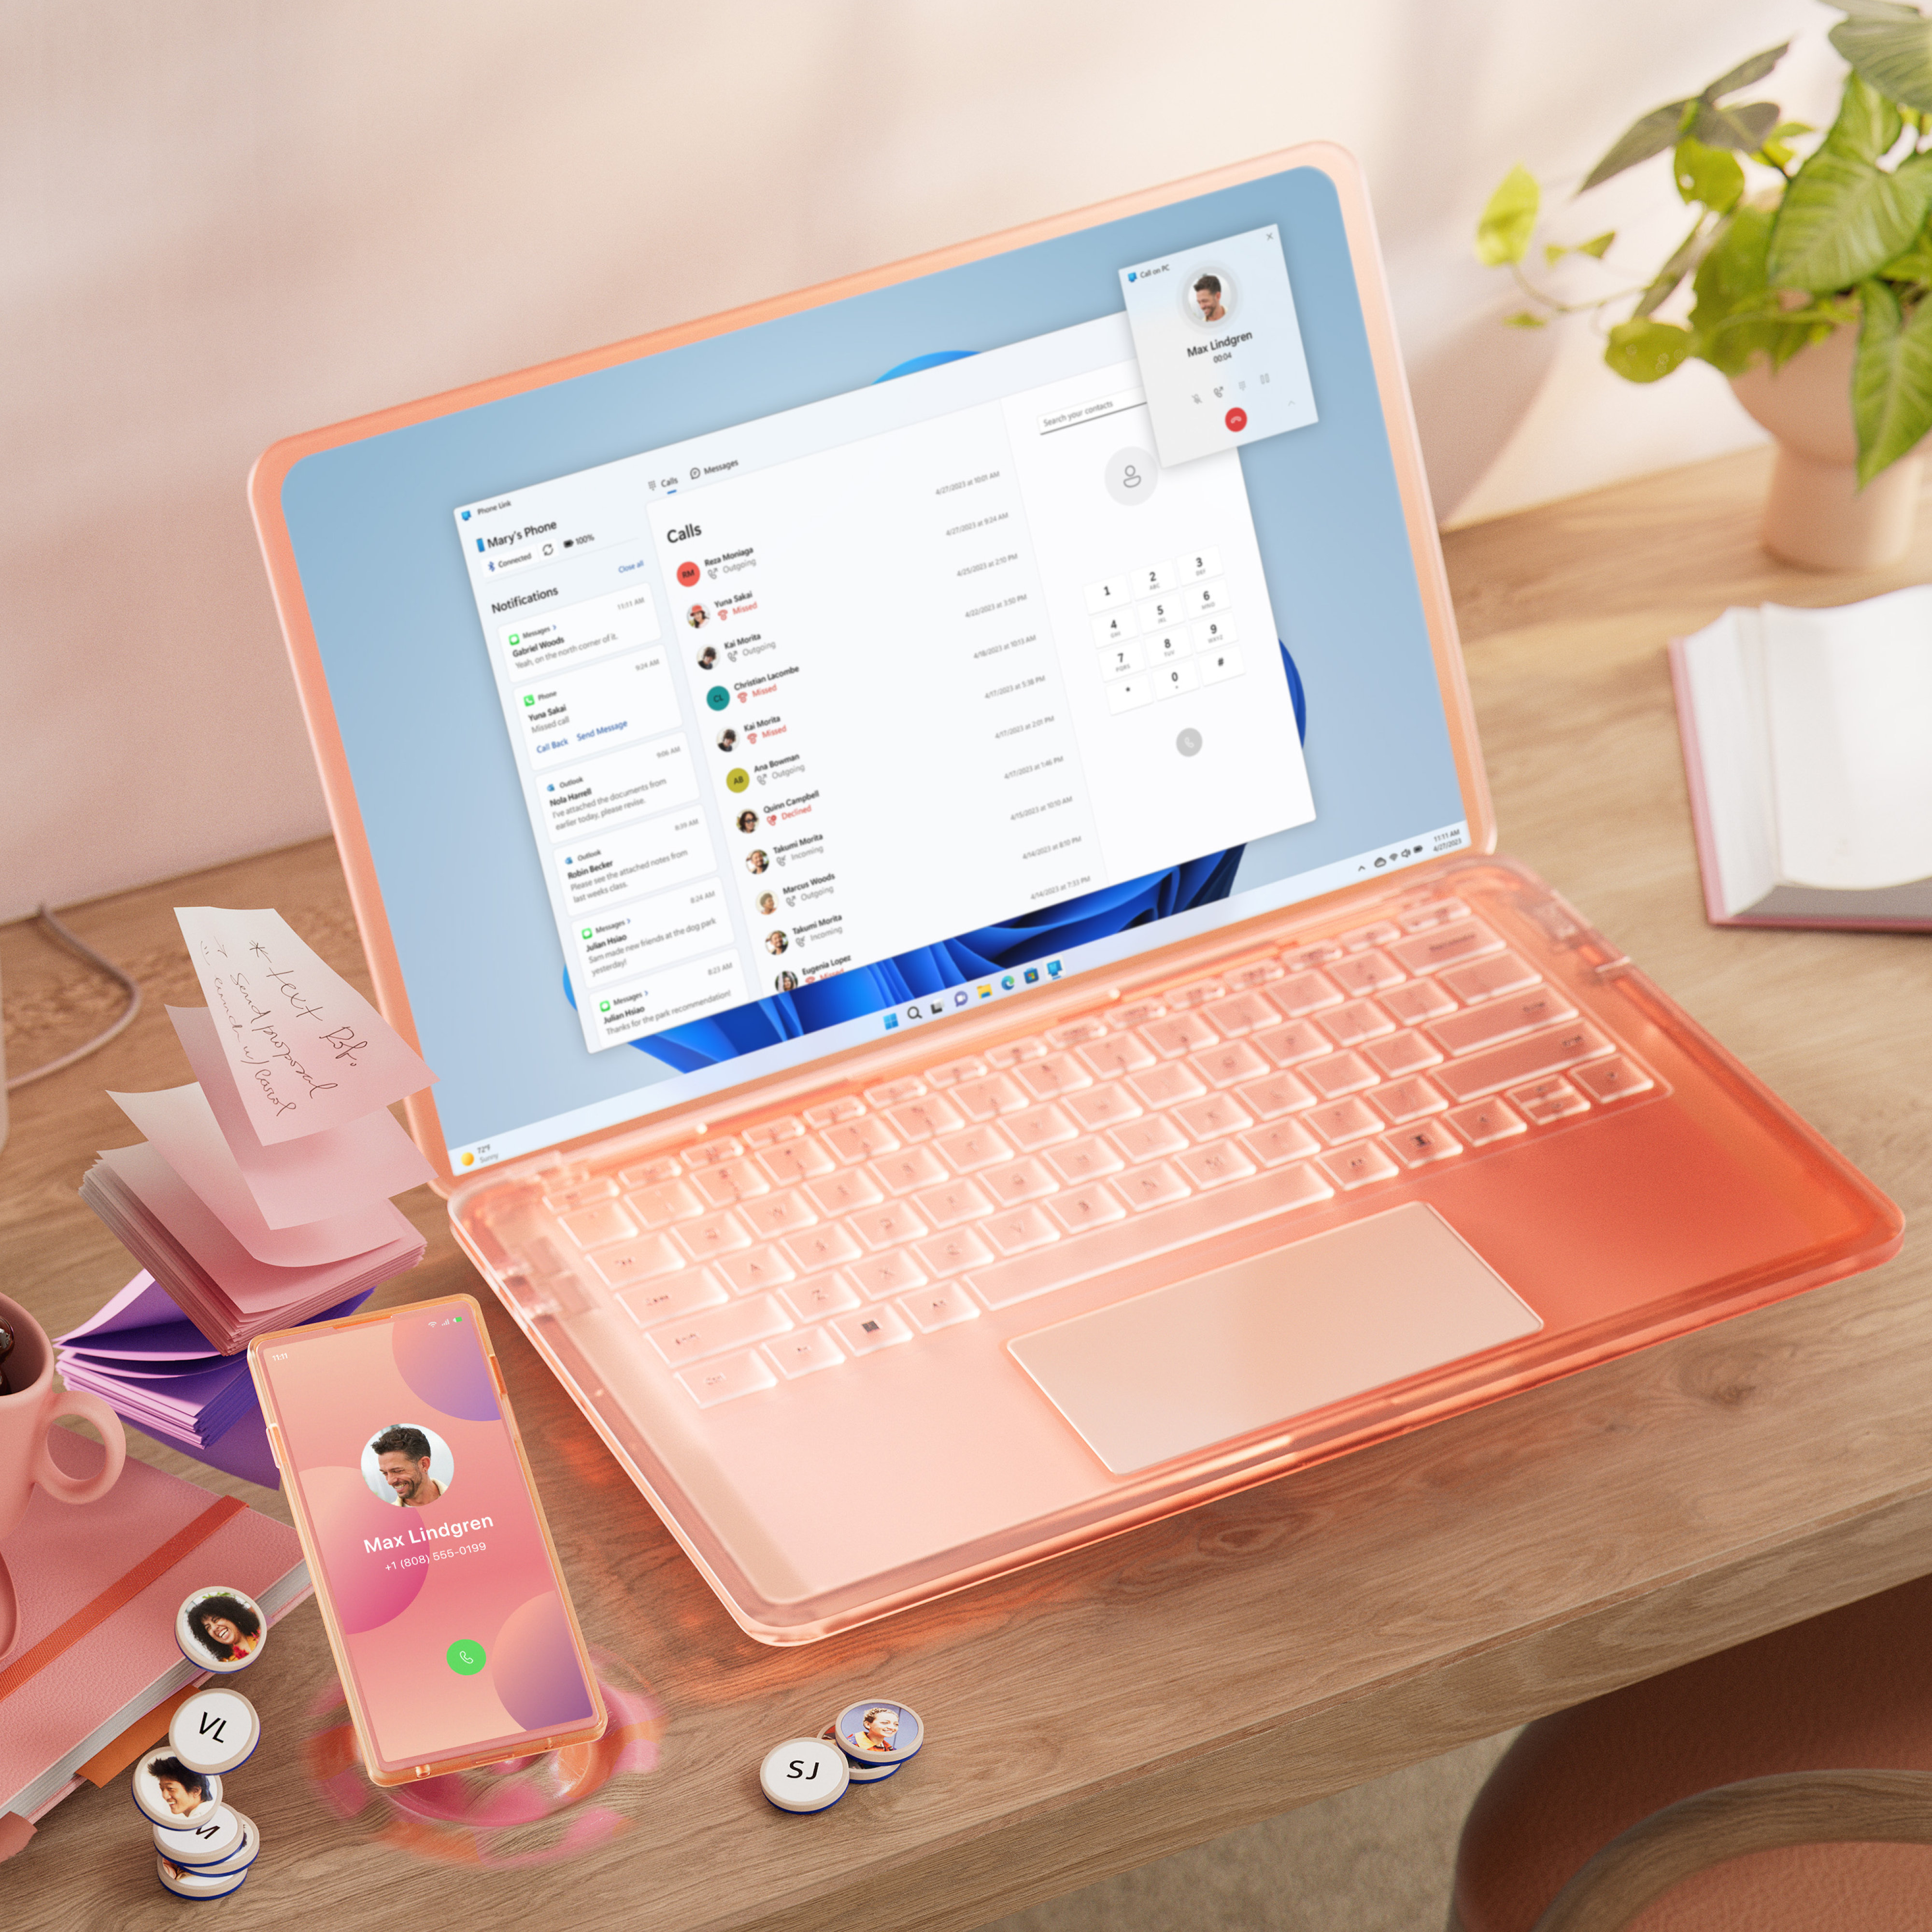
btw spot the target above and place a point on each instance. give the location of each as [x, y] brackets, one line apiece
[465, 1657]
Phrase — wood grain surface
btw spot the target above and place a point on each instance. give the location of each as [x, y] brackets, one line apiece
[1139, 1696]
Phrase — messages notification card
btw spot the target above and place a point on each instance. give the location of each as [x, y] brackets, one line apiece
[1218, 346]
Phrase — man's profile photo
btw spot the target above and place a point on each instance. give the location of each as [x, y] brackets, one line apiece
[748, 821]
[1207, 298]
[776, 943]
[170, 1793]
[697, 616]
[756, 860]
[727, 738]
[408, 1466]
[767, 904]
[707, 657]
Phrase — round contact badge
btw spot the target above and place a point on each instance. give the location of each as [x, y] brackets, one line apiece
[880, 1731]
[215, 1730]
[220, 1629]
[167, 1792]
[212, 1842]
[804, 1774]
[241, 1858]
[862, 1773]
[186, 1882]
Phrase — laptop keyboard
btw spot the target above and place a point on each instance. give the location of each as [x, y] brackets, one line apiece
[1333, 1068]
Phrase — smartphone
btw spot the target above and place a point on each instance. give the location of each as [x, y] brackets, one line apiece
[453, 1630]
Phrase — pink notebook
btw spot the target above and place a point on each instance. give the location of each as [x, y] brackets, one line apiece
[99, 1585]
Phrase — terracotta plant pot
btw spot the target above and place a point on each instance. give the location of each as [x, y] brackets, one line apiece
[1817, 517]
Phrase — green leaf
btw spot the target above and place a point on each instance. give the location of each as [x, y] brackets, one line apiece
[1707, 175]
[1523, 318]
[1741, 128]
[1775, 149]
[1645, 352]
[1658, 130]
[1844, 217]
[1597, 245]
[1672, 272]
[1891, 379]
[1891, 49]
[1756, 68]
[1738, 316]
[1503, 233]
[1915, 265]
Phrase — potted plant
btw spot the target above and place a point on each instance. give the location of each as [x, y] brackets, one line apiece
[1810, 266]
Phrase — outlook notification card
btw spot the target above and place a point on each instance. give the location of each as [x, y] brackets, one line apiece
[1218, 346]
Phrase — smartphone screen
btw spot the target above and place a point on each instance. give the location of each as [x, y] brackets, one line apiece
[452, 1629]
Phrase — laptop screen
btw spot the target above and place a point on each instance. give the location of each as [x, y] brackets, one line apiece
[841, 673]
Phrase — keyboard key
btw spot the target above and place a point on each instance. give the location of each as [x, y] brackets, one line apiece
[583, 1195]
[1543, 1101]
[1198, 994]
[1061, 1073]
[595, 1227]
[720, 1234]
[1144, 1140]
[1343, 1120]
[1208, 1119]
[1214, 1165]
[1380, 934]
[1077, 1032]
[1286, 1140]
[840, 1193]
[887, 1225]
[1087, 1159]
[982, 1099]
[1023, 1180]
[893, 1092]
[1248, 1012]
[1162, 1086]
[1447, 946]
[1039, 1127]
[1487, 1121]
[1358, 1021]
[920, 1119]
[1123, 1053]
[1319, 953]
[1438, 912]
[1419, 1000]
[1019, 1229]
[1017, 1052]
[755, 1268]
[822, 1248]
[769, 1133]
[1407, 1100]
[1416, 1146]
[1288, 1045]
[1257, 974]
[950, 1254]
[709, 1153]
[1151, 1186]
[1135, 1012]
[731, 1376]
[713, 1331]
[1279, 1094]
[1086, 1207]
[1612, 1079]
[1302, 993]
[954, 1071]
[901, 1173]
[795, 1161]
[1486, 978]
[1339, 1073]
[1356, 1166]
[860, 1140]
[1406, 1053]
[649, 1173]
[1367, 972]
[777, 1213]
[641, 1260]
[806, 1354]
[1103, 1106]
[1155, 1231]
[977, 1147]
[1481, 1074]
[1183, 1033]
[946, 1206]
[880, 1275]
[730, 1180]
[665, 1300]
[847, 1107]
[659, 1206]
[876, 1328]
[1223, 1066]
[1502, 1019]
[822, 1294]
[940, 1308]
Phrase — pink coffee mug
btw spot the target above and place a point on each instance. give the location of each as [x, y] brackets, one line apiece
[26, 1414]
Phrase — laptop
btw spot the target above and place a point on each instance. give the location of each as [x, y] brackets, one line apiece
[932, 832]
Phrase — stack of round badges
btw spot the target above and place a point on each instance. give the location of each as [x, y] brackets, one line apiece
[866, 1741]
[204, 1847]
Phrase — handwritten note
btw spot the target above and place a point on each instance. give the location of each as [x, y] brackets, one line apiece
[306, 1050]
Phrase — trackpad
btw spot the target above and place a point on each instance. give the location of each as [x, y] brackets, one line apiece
[1333, 1316]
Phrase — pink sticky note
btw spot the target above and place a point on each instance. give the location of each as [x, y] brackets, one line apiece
[306, 1050]
[180, 1126]
[367, 1159]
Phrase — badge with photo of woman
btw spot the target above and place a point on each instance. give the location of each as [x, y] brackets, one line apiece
[220, 1628]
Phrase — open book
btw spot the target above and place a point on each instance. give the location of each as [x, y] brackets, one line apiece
[1807, 744]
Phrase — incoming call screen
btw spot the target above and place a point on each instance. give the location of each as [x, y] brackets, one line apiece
[436, 1564]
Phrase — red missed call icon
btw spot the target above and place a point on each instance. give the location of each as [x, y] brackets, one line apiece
[687, 572]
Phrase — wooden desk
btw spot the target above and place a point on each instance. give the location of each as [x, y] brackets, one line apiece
[1145, 1695]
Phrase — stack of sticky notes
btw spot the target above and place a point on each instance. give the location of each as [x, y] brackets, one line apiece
[260, 1198]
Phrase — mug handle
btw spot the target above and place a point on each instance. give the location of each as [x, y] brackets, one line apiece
[52, 1478]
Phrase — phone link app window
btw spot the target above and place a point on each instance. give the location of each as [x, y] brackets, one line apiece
[436, 1562]
[1218, 346]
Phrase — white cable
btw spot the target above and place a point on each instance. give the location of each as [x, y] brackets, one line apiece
[74, 942]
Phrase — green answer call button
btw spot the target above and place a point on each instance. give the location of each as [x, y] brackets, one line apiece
[465, 1657]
